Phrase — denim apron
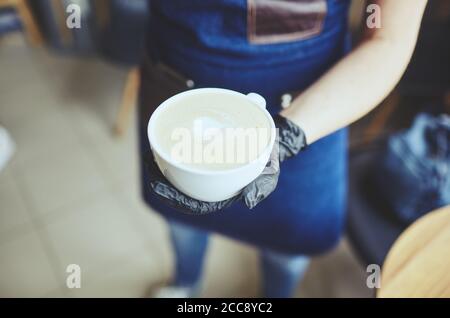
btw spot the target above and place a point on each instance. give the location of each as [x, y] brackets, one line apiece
[247, 46]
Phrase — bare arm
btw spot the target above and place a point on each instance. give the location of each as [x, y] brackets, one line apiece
[361, 80]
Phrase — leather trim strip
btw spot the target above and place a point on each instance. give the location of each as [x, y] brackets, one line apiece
[277, 21]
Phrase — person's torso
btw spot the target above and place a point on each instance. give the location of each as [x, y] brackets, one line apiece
[247, 32]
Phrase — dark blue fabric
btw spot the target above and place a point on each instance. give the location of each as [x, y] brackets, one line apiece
[9, 21]
[370, 225]
[413, 175]
[123, 39]
[216, 32]
[189, 248]
[305, 214]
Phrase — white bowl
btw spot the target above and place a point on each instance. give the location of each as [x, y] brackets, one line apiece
[210, 185]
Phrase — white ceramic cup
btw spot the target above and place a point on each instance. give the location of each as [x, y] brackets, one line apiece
[210, 185]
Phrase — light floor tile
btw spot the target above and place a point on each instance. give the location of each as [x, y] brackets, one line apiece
[117, 156]
[148, 222]
[150, 225]
[56, 182]
[16, 105]
[94, 237]
[134, 277]
[336, 274]
[24, 91]
[18, 65]
[25, 270]
[13, 212]
[88, 81]
[231, 270]
[13, 39]
[60, 292]
[42, 137]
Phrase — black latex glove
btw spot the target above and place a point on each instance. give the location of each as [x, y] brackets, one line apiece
[290, 141]
[291, 138]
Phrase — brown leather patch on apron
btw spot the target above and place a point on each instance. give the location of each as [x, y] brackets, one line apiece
[276, 21]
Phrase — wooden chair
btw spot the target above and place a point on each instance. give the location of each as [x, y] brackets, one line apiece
[30, 26]
[59, 12]
[129, 99]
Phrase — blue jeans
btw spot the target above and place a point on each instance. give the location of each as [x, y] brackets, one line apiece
[281, 272]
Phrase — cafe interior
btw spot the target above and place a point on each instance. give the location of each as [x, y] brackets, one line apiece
[70, 176]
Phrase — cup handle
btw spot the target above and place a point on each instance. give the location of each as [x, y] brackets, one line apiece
[257, 99]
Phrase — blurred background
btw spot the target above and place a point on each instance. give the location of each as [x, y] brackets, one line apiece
[69, 189]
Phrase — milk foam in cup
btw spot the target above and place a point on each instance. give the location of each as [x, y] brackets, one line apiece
[210, 143]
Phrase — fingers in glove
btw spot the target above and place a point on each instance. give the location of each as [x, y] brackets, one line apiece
[259, 189]
[265, 183]
[292, 139]
[186, 204]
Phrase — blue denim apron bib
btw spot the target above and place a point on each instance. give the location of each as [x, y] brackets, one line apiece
[217, 43]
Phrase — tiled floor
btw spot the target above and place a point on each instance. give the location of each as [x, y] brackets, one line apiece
[70, 195]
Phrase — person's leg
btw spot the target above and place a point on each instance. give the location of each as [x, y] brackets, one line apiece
[281, 273]
[189, 246]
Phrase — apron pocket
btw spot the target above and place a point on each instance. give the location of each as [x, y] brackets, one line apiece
[158, 83]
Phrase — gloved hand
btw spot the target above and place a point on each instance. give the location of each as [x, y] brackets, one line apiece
[289, 142]
[291, 138]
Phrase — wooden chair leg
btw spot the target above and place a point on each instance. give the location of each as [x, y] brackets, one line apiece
[129, 98]
[59, 12]
[29, 23]
[447, 102]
